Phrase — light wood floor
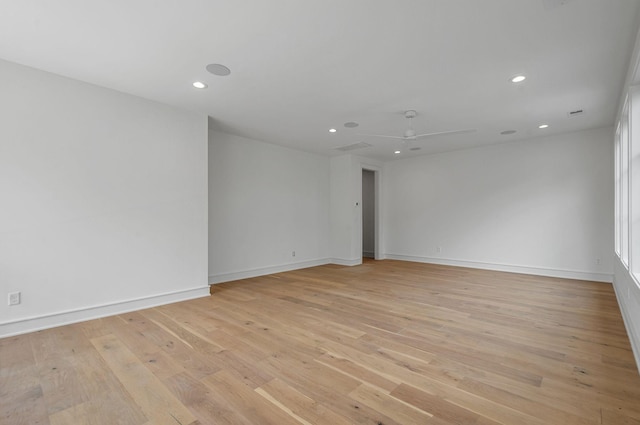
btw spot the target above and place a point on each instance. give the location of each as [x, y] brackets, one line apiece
[387, 343]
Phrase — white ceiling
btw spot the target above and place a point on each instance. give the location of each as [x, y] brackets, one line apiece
[299, 67]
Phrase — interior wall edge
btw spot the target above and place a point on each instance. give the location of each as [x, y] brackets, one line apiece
[510, 268]
[37, 323]
[261, 271]
[346, 261]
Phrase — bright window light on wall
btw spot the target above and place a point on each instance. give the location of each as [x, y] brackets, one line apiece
[617, 192]
[631, 131]
[624, 186]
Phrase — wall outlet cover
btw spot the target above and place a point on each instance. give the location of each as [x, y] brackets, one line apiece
[14, 298]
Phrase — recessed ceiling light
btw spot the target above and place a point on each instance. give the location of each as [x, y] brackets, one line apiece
[219, 70]
[397, 152]
[351, 124]
[543, 126]
[518, 79]
[416, 148]
[332, 130]
[507, 132]
[199, 85]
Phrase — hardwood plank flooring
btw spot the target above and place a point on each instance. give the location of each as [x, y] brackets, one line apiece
[387, 342]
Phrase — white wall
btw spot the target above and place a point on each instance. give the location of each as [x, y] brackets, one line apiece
[103, 201]
[343, 211]
[542, 206]
[265, 201]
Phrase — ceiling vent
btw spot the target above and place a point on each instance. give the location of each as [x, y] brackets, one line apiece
[575, 113]
[360, 145]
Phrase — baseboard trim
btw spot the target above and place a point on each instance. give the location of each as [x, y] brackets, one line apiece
[52, 320]
[261, 271]
[344, 262]
[628, 324]
[565, 274]
[625, 289]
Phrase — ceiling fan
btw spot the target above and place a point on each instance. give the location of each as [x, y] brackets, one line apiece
[410, 133]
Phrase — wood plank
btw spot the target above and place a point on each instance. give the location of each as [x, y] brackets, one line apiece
[106, 409]
[158, 404]
[148, 337]
[387, 342]
[253, 406]
[356, 371]
[303, 408]
[436, 406]
[397, 409]
[207, 405]
[21, 398]
[523, 404]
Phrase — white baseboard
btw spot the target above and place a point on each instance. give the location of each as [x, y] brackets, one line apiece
[36, 323]
[261, 271]
[344, 262]
[565, 274]
[628, 296]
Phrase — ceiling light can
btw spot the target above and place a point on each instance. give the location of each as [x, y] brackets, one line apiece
[332, 130]
[543, 126]
[219, 70]
[199, 85]
[517, 78]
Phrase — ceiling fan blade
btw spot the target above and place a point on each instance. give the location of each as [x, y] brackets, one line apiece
[381, 135]
[471, 130]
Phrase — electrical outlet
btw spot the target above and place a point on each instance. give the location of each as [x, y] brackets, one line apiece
[597, 261]
[14, 298]
[439, 249]
[293, 253]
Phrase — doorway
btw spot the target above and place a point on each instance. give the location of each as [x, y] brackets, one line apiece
[368, 214]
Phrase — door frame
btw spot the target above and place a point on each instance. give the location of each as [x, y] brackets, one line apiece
[377, 173]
